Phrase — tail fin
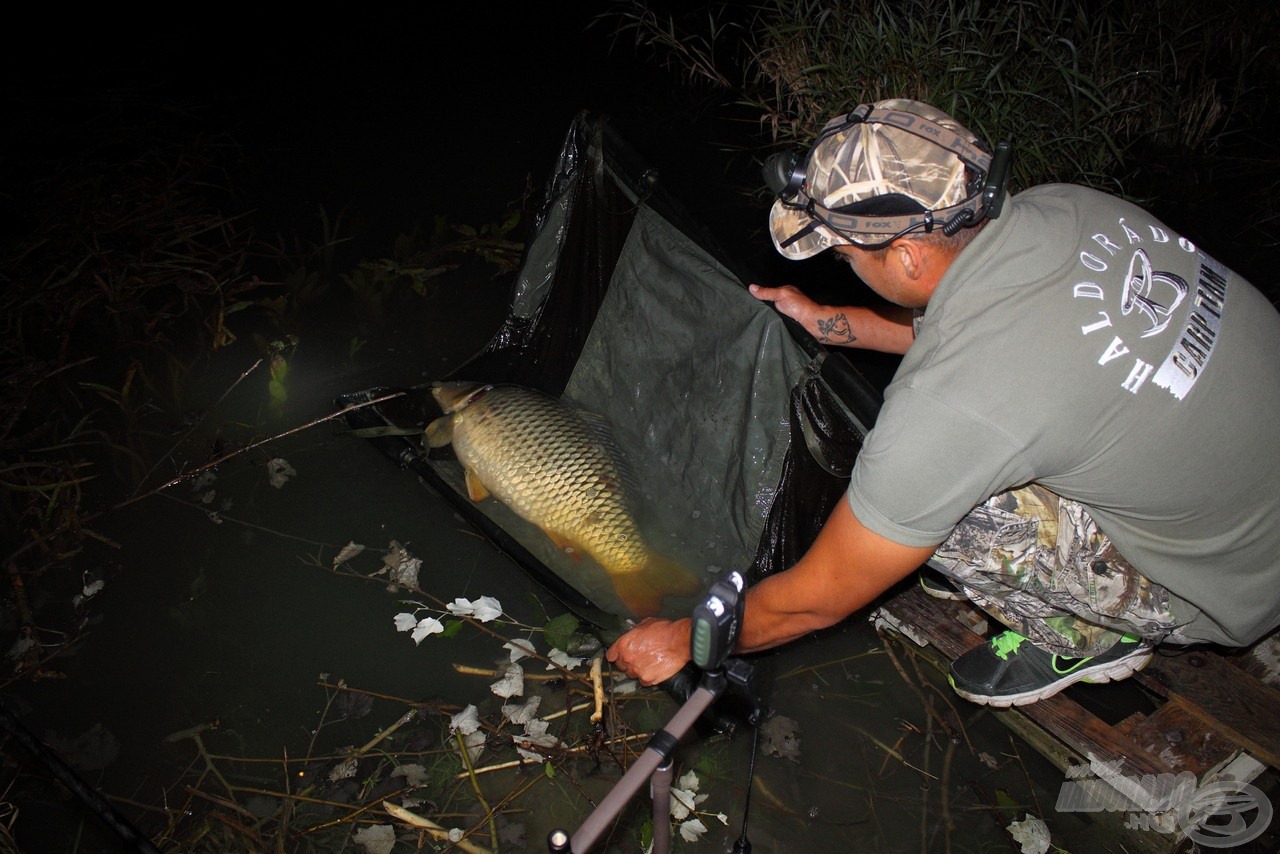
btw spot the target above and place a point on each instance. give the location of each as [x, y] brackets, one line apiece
[642, 591]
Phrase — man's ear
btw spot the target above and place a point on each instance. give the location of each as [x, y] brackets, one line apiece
[909, 255]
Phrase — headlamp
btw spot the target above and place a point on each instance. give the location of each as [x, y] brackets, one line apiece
[786, 175]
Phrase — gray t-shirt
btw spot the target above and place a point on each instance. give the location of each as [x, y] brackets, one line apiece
[1080, 343]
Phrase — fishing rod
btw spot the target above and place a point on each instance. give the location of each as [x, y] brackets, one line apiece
[129, 834]
[716, 622]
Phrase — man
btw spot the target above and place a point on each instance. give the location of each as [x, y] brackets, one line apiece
[1082, 434]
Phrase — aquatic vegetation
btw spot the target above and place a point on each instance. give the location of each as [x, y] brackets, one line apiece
[1088, 93]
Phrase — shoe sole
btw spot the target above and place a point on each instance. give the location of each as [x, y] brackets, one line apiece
[1112, 671]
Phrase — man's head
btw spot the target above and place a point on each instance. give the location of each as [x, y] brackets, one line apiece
[885, 171]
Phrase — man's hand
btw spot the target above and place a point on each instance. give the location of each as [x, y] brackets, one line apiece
[789, 300]
[884, 328]
[653, 651]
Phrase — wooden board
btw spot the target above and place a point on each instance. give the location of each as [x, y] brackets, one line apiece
[1213, 713]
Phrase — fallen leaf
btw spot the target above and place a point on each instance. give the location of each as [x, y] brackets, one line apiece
[520, 647]
[692, 830]
[279, 471]
[535, 733]
[1031, 833]
[484, 609]
[344, 770]
[376, 839]
[466, 721]
[511, 684]
[350, 550]
[413, 774]
[522, 714]
[475, 744]
[781, 738]
[563, 659]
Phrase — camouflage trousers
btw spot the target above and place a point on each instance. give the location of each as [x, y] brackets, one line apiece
[1038, 563]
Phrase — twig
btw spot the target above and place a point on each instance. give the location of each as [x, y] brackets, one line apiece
[468, 670]
[184, 436]
[222, 802]
[945, 794]
[1035, 798]
[516, 763]
[475, 785]
[896, 754]
[812, 667]
[597, 686]
[435, 830]
[351, 814]
[193, 734]
[404, 719]
[214, 463]
[563, 712]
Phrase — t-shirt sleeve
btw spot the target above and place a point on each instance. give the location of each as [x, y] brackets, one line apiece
[926, 465]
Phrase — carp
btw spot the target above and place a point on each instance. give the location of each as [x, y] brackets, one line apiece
[558, 467]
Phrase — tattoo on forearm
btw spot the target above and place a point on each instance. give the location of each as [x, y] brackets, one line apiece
[835, 329]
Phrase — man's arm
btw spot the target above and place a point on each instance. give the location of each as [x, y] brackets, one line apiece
[847, 567]
[887, 328]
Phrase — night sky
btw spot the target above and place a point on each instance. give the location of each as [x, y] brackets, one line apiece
[387, 117]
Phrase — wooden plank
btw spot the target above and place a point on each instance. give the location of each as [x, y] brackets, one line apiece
[1224, 698]
[1180, 738]
[1261, 661]
[1081, 731]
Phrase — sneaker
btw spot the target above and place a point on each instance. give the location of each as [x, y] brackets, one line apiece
[937, 585]
[1012, 671]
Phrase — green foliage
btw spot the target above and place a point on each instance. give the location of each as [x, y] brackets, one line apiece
[419, 258]
[559, 631]
[1082, 89]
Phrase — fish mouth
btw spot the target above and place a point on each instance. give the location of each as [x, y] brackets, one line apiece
[453, 396]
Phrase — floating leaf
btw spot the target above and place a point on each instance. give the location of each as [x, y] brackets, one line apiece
[344, 770]
[781, 738]
[511, 684]
[406, 572]
[376, 839]
[466, 721]
[20, 647]
[413, 774]
[1031, 833]
[475, 744]
[406, 622]
[279, 471]
[684, 801]
[692, 830]
[350, 550]
[559, 631]
[484, 609]
[520, 647]
[522, 714]
[535, 732]
[563, 659]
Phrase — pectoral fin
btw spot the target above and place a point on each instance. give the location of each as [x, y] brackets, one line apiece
[476, 490]
[440, 432]
[642, 591]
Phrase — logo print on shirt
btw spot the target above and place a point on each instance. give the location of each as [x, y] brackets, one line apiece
[1143, 290]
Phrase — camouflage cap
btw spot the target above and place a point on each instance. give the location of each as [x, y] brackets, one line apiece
[884, 161]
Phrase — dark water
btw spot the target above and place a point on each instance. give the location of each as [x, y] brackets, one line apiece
[388, 122]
